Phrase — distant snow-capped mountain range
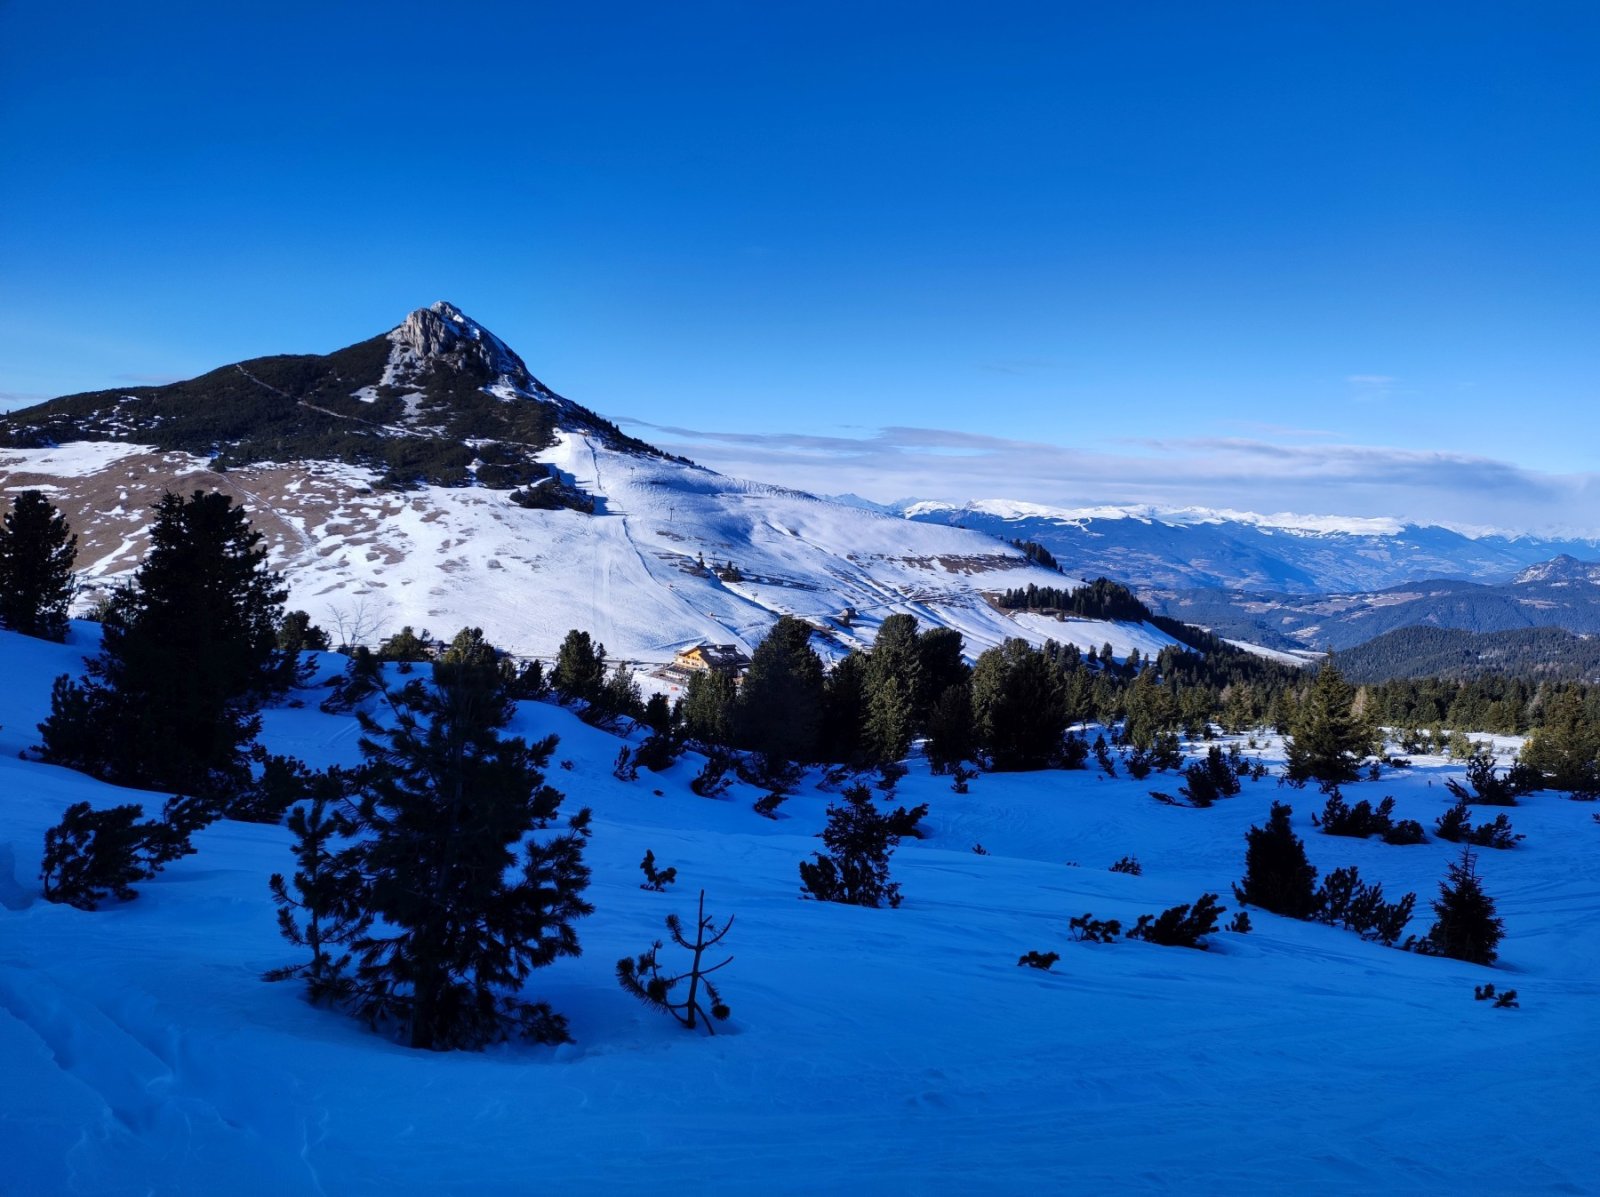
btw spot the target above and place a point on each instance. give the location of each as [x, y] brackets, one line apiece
[1163, 548]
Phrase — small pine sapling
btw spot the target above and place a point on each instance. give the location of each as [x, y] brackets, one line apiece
[980, 850]
[1241, 923]
[324, 912]
[961, 777]
[1180, 926]
[654, 878]
[889, 775]
[624, 769]
[1102, 756]
[1277, 875]
[1456, 825]
[1129, 865]
[712, 781]
[767, 805]
[906, 824]
[1346, 900]
[1039, 960]
[643, 976]
[1088, 929]
[94, 854]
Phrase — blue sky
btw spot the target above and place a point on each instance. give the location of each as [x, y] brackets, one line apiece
[1333, 257]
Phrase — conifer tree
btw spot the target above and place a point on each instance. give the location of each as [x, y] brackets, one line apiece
[36, 555]
[190, 650]
[1018, 707]
[1465, 925]
[708, 703]
[445, 804]
[1566, 749]
[580, 668]
[1328, 739]
[650, 983]
[1277, 875]
[844, 711]
[324, 913]
[893, 680]
[860, 839]
[950, 738]
[779, 711]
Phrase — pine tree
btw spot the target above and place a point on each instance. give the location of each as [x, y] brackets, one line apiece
[1277, 875]
[580, 668]
[893, 680]
[189, 653]
[860, 839]
[708, 703]
[1566, 749]
[36, 555]
[950, 738]
[645, 979]
[324, 914]
[1328, 740]
[1465, 925]
[445, 804]
[1018, 707]
[779, 711]
[844, 711]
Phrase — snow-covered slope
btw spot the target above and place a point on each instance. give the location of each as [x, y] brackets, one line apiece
[869, 1050]
[630, 574]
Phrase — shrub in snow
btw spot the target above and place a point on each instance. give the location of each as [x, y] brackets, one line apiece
[767, 805]
[906, 824]
[283, 782]
[1207, 780]
[860, 839]
[1490, 788]
[961, 776]
[1040, 960]
[1363, 820]
[1240, 923]
[623, 768]
[1465, 925]
[1102, 757]
[644, 978]
[1180, 926]
[1088, 929]
[94, 854]
[980, 850]
[1347, 901]
[660, 750]
[1128, 864]
[1502, 1001]
[654, 878]
[1456, 825]
[712, 781]
[1277, 875]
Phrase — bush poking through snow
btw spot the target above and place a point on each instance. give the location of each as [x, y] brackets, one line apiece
[767, 805]
[906, 824]
[1456, 826]
[623, 768]
[1277, 875]
[1129, 865]
[1240, 923]
[1495, 789]
[960, 777]
[644, 978]
[1180, 926]
[855, 871]
[1088, 929]
[712, 781]
[1345, 900]
[1208, 780]
[95, 854]
[654, 878]
[322, 914]
[1039, 960]
[1502, 1001]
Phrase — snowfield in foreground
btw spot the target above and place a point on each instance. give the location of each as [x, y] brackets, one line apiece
[869, 1050]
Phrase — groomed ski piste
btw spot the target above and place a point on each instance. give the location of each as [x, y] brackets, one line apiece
[881, 1051]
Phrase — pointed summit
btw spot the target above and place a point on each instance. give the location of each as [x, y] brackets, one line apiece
[445, 331]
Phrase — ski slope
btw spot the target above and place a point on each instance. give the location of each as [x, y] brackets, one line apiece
[369, 561]
[869, 1051]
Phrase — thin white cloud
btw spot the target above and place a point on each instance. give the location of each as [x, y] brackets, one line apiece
[1244, 473]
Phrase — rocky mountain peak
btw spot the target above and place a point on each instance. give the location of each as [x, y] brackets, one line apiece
[443, 332]
[1564, 569]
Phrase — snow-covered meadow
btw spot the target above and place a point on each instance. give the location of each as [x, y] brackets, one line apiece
[869, 1050]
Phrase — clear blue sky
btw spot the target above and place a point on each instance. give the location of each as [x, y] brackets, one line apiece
[1287, 242]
